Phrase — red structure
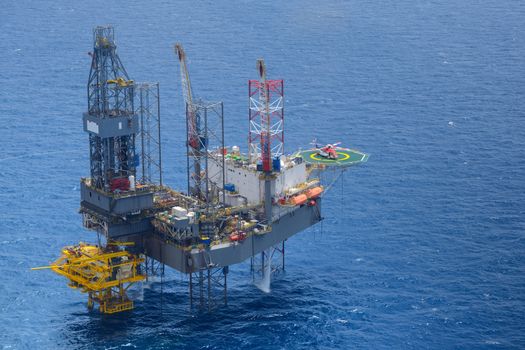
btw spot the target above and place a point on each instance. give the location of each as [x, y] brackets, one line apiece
[266, 114]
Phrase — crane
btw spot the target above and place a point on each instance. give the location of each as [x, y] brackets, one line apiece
[187, 94]
[195, 142]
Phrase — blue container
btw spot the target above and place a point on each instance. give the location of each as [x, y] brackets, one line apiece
[204, 141]
[259, 167]
[229, 187]
[277, 163]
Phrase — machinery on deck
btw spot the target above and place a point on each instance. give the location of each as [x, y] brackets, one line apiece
[236, 207]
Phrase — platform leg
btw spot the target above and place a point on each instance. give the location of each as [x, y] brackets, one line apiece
[268, 263]
[191, 290]
[283, 254]
[225, 273]
[209, 290]
[90, 301]
[263, 256]
[201, 289]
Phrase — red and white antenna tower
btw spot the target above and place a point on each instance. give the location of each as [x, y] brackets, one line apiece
[266, 136]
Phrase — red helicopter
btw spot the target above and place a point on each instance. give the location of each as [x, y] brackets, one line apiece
[328, 151]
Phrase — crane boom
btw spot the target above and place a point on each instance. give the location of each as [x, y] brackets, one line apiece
[187, 94]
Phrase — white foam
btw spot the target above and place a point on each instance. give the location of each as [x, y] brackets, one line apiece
[264, 283]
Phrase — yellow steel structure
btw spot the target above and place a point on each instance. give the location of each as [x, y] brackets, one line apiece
[104, 273]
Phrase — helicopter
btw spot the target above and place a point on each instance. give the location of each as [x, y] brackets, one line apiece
[329, 151]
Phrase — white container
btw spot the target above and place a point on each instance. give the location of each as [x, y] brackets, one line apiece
[179, 211]
[191, 217]
[131, 179]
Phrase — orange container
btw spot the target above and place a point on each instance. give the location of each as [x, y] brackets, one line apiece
[314, 192]
[300, 199]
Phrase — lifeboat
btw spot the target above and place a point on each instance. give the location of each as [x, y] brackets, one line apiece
[300, 199]
[314, 192]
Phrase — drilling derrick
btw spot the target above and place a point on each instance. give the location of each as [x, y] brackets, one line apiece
[111, 120]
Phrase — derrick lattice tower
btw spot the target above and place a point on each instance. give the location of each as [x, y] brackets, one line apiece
[111, 120]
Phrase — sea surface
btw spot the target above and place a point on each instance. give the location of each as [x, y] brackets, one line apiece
[423, 247]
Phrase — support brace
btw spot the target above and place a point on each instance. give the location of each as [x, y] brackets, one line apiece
[211, 286]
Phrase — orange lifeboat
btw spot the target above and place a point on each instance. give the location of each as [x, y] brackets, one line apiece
[314, 192]
[300, 199]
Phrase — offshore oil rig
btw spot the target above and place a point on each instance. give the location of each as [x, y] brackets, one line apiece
[237, 206]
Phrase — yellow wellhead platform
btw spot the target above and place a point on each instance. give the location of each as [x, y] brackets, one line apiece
[105, 273]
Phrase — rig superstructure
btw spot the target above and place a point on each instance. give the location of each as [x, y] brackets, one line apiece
[236, 206]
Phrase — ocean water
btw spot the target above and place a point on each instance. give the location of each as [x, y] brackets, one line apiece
[422, 248]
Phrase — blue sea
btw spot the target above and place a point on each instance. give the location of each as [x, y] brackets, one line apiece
[423, 247]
